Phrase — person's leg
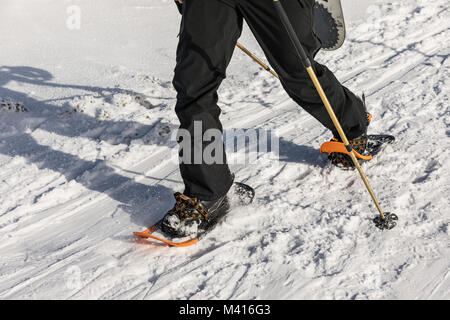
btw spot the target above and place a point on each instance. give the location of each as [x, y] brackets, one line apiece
[268, 29]
[209, 32]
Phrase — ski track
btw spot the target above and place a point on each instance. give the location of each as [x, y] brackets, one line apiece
[65, 226]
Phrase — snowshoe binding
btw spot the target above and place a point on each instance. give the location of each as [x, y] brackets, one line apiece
[365, 147]
[191, 218]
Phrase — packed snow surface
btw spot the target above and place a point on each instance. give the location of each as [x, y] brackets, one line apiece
[86, 158]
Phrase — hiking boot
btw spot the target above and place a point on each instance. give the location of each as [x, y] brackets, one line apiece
[359, 144]
[342, 160]
[191, 217]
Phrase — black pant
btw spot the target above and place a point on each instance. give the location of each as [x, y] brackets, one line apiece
[209, 32]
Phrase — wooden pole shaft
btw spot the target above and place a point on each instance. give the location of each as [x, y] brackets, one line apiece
[344, 139]
[255, 58]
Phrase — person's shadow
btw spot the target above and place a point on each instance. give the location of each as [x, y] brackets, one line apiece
[143, 202]
[286, 151]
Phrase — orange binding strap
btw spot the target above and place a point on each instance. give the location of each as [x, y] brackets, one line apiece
[335, 146]
[147, 234]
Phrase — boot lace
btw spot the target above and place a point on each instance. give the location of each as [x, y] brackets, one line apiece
[186, 207]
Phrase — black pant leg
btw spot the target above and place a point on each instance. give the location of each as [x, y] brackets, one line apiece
[209, 32]
[267, 27]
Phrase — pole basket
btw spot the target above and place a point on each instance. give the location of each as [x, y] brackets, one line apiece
[388, 223]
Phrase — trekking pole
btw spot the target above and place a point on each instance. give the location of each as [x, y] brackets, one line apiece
[385, 220]
[255, 58]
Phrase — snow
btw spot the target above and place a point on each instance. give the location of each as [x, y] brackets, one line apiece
[89, 159]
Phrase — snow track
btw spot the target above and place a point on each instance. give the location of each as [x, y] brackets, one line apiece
[87, 165]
